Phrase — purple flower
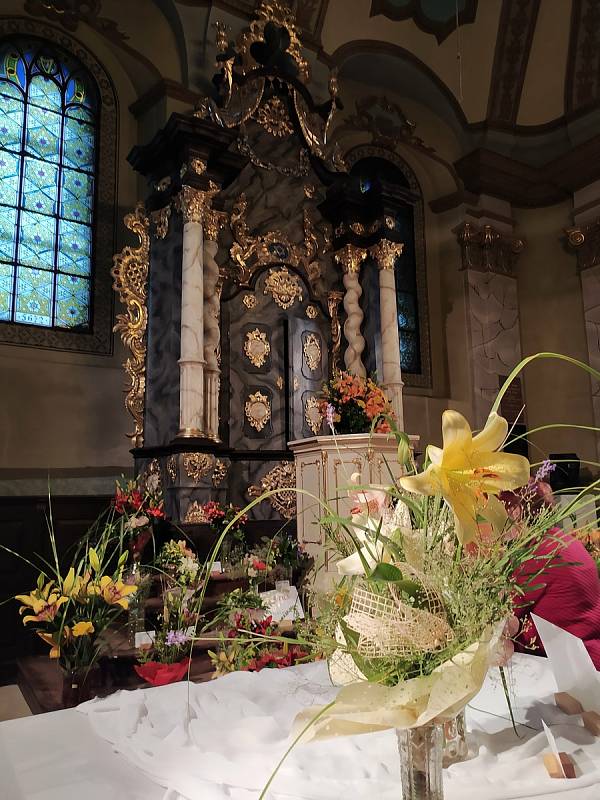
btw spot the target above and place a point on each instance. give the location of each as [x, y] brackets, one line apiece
[330, 415]
[544, 470]
[176, 638]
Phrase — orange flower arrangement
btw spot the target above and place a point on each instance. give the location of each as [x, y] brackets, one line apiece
[351, 404]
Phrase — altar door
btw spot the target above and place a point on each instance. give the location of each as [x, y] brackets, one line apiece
[276, 360]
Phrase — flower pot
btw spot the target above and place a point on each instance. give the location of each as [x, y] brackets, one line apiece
[157, 674]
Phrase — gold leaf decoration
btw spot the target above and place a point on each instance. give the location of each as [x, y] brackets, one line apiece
[258, 410]
[257, 347]
[130, 281]
[283, 476]
[284, 287]
[273, 117]
[197, 465]
[219, 472]
[279, 382]
[312, 312]
[312, 351]
[313, 415]
[172, 468]
[195, 514]
[249, 300]
[160, 219]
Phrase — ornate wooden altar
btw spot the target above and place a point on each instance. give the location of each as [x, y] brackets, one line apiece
[244, 292]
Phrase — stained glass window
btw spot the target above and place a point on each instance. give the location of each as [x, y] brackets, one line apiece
[48, 115]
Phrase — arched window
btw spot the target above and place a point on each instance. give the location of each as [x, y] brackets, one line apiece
[372, 165]
[49, 110]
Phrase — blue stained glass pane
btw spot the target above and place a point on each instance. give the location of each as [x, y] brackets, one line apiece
[6, 290]
[34, 296]
[78, 149]
[74, 247]
[36, 240]
[76, 196]
[409, 355]
[78, 112]
[10, 166]
[40, 188]
[43, 133]
[11, 120]
[8, 222]
[72, 303]
[44, 92]
[406, 311]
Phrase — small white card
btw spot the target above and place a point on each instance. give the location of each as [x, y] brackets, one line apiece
[283, 604]
[144, 638]
[573, 669]
[553, 747]
[216, 567]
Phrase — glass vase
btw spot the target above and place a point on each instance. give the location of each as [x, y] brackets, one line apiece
[136, 610]
[455, 746]
[79, 685]
[421, 762]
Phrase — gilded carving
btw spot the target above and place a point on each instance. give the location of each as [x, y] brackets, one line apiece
[385, 253]
[163, 184]
[214, 221]
[313, 415]
[195, 515]
[197, 465]
[333, 302]
[172, 468]
[193, 203]
[312, 352]
[249, 300]
[152, 477]
[258, 410]
[296, 383]
[197, 166]
[312, 312]
[281, 478]
[279, 382]
[350, 257]
[160, 220]
[257, 347]
[273, 117]
[253, 251]
[284, 287]
[130, 279]
[487, 249]
[219, 472]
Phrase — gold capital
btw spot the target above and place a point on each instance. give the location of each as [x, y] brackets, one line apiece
[385, 253]
[350, 257]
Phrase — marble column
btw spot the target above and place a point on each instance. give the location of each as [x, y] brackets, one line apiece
[191, 361]
[350, 258]
[489, 257]
[385, 254]
[212, 331]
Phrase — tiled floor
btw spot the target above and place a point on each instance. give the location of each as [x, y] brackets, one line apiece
[12, 703]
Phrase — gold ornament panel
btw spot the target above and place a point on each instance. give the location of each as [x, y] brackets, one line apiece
[313, 415]
[258, 410]
[312, 351]
[197, 465]
[282, 477]
[257, 347]
[284, 287]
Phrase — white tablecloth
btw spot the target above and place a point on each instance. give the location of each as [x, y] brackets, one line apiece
[145, 744]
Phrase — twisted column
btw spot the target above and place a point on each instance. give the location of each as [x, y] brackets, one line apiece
[350, 258]
[385, 254]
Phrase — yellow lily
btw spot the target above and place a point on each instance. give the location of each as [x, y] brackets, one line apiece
[76, 586]
[44, 603]
[82, 629]
[468, 471]
[49, 639]
[116, 592]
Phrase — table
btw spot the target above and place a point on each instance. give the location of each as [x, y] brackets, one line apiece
[225, 743]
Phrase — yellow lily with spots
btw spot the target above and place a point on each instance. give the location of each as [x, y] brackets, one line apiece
[44, 603]
[76, 586]
[468, 471]
[115, 592]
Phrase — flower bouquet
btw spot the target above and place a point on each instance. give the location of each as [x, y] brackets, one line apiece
[178, 565]
[168, 658]
[351, 404]
[221, 517]
[71, 613]
[429, 570]
[139, 502]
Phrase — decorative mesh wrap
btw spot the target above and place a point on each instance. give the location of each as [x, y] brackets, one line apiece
[388, 626]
